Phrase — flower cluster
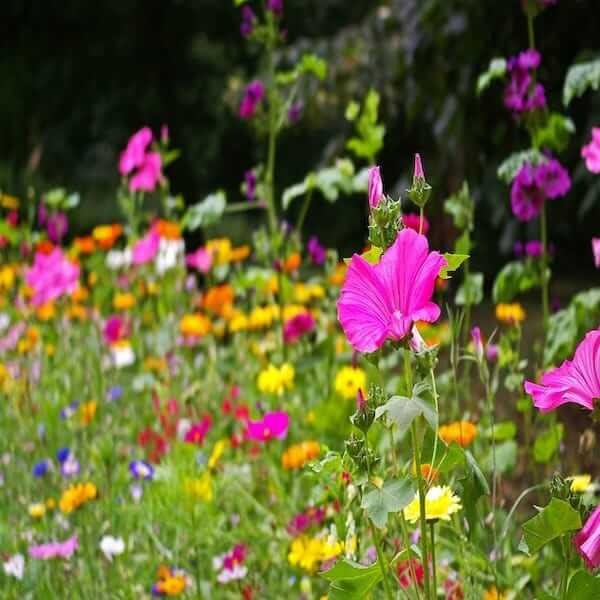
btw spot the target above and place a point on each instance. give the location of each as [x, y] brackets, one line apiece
[523, 94]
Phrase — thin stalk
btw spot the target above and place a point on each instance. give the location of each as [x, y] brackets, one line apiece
[530, 31]
[272, 143]
[435, 439]
[304, 211]
[411, 566]
[382, 562]
[490, 406]
[566, 544]
[545, 278]
[434, 573]
[421, 218]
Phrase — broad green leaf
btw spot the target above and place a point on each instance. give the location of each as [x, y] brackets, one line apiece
[474, 486]
[330, 463]
[351, 580]
[372, 256]
[580, 78]
[583, 586]
[461, 207]
[514, 279]
[510, 167]
[207, 212]
[392, 497]
[555, 132]
[470, 291]
[506, 430]
[547, 443]
[463, 243]
[454, 261]
[554, 520]
[496, 69]
[402, 411]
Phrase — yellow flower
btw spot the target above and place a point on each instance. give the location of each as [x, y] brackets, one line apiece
[123, 301]
[580, 483]
[304, 293]
[238, 321]
[297, 455]
[220, 248]
[45, 312]
[510, 314]
[50, 503]
[76, 495]
[37, 510]
[308, 553]
[200, 487]
[7, 277]
[194, 325]
[9, 202]
[440, 503]
[349, 380]
[273, 380]
[172, 586]
[262, 316]
[461, 432]
[493, 594]
[87, 412]
[217, 452]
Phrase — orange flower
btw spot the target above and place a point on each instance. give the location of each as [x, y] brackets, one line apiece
[168, 229]
[80, 294]
[219, 299]
[427, 472]
[194, 325]
[107, 235]
[84, 245]
[296, 456]
[461, 432]
[77, 312]
[123, 301]
[45, 247]
[240, 253]
[87, 412]
[292, 262]
[339, 274]
[46, 311]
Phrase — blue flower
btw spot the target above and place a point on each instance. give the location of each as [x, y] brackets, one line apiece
[41, 468]
[114, 393]
[69, 410]
[62, 454]
[140, 469]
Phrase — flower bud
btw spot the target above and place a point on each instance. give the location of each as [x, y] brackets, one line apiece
[420, 190]
[364, 416]
[375, 187]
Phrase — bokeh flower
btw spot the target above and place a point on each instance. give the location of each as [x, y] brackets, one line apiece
[276, 380]
[349, 380]
[51, 276]
[440, 503]
[253, 96]
[591, 152]
[511, 314]
[461, 432]
[587, 540]
[54, 549]
[273, 425]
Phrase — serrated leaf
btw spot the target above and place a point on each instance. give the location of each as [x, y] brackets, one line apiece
[392, 497]
[454, 261]
[556, 519]
[579, 79]
[496, 69]
[555, 132]
[351, 580]
[583, 586]
[401, 410]
[207, 212]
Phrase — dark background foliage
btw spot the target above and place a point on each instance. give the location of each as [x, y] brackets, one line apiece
[76, 78]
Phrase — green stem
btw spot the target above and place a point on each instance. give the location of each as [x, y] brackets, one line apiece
[304, 211]
[382, 562]
[566, 544]
[421, 217]
[272, 145]
[545, 278]
[435, 439]
[411, 566]
[433, 568]
[530, 31]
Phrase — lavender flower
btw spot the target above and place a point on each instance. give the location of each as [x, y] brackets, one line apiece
[249, 185]
[140, 469]
[248, 20]
[295, 112]
[41, 468]
[317, 252]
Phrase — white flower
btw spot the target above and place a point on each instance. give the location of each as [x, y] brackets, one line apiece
[169, 254]
[117, 259]
[15, 566]
[4, 321]
[122, 355]
[112, 546]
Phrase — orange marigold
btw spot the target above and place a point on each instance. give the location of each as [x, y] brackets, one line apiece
[296, 456]
[461, 432]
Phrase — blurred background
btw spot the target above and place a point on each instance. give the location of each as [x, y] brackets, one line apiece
[77, 78]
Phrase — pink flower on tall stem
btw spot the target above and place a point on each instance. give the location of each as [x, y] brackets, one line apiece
[148, 175]
[115, 328]
[200, 260]
[596, 251]
[591, 152]
[587, 540]
[51, 276]
[381, 302]
[274, 425]
[145, 166]
[145, 249]
[297, 326]
[253, 96]
[135, 151]
[375, 187]
[576, 381]
[55, 549]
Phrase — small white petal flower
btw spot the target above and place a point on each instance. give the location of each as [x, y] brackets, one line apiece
[112, 546]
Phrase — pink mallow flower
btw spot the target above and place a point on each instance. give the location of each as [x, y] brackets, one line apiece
[55, 549]
[145, 249]
[133, 156]
[381, 302]
[274, 425]
[149, 174]
[591, 152]
[143, 166]
[587, 541]
[576, 381]
[200, 260]
[596, 251]
[297, 326]
[51, 276]
[375, 187]
[115, 328]
[413, 221]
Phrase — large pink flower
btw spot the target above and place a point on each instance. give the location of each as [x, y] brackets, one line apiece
[596, 251]
[201, 260]
[51, 276]
[576, 381]
[381, 302]
[587, 541]
[272, 425]
[133, 155]
[148, 175]
[145, 249]
[591, 152]
[55, 549]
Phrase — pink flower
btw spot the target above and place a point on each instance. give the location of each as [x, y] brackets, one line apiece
[148, 174]
[201, 260]
[375, 187]
[576, 381]
[133, 155]
[253, 96]
[596, 251]
[591, 152]
[381, 302]
[197, 432]
[587, 541]
[55, 549]
[526, 194]
[418, 172]
[116, 328]
[412, 221]
[553, 178]
[145, 249]
[274, 425]
[297, 326]
[51, 276]
[477, 342]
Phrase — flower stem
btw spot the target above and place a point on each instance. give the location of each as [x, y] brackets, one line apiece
[304, 211]
[434, 574]
[411, 566]
[272, 144]
[382, 562]
[545, 278]
[566, 544]
[421, 217]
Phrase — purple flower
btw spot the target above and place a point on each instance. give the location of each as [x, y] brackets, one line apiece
[250, 184]
[519, 249]
[375, 187]
[553, 178]
[253, 96]
[69, 410]
[275, 6]
[140, 469]
[70, 466]
[534, 249]
[297, 326]
[57, 226]
[62, 454]
[55, 549]
[295, 112]
[526, 195]
[522, 94]
[114, 393]
[248, 20]
[41, 468]
[317, 252]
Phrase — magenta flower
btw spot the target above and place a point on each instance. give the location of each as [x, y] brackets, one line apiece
[115, 328]
[253, 96]
[275, 6]
[553, 179]
[148, 175]
[418, 172]
[54, 549]
[522, 94]
[200, 260]
[587, 540]
[375, 187]
[526, 194]
[198, 431]
[274, 425]
[57, 226]
[412, 221]
[250, 181]
[591, 152]
[145, 249]
[51, 276]
[298, 326]
[135, 151]
[596, 251]
[317, 252]
[576, 381]
[248, 20]
[381, 302]
[477, 342]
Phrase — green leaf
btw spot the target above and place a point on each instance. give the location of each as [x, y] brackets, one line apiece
[454, 261]
[506, 457]
[350, 580]
[506, 430]
[514, 278]
[547, 443]
[392, 497]
[308, 64]
[555, 132]
[470, 291]
[496, 70]
[207, 212]
[368, 140]
[583, 586]
[463, 243]
[511, 166]
[554, 520]
[296, 191]
[580, 78]
[402, 411]
[460, 207]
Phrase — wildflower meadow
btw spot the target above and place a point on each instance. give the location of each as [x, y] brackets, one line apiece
[192, 411]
